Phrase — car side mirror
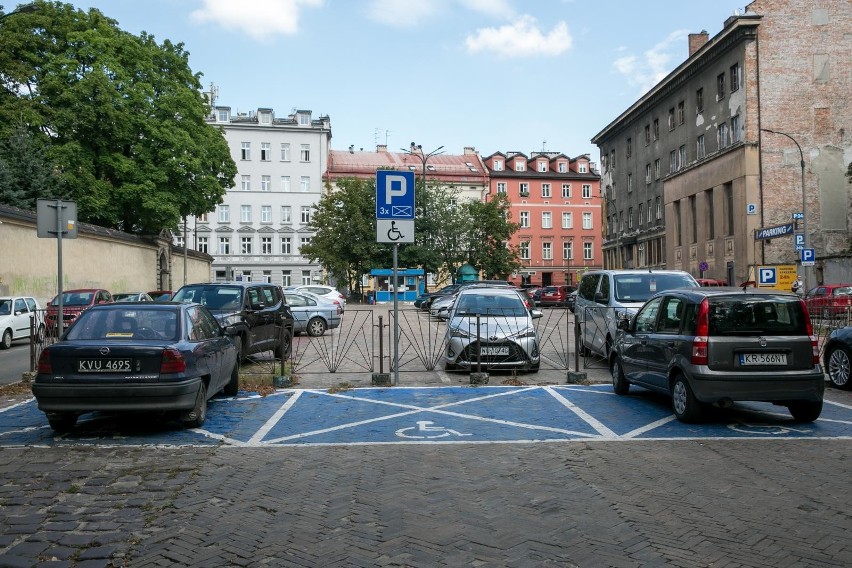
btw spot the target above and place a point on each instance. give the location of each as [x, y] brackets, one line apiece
[623, 324]
[230, 331]
[536, 314]
[600, 298]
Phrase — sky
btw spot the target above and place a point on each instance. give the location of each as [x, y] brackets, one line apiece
[498, 75]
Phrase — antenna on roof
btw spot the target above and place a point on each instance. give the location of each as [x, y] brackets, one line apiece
[379, 132]
[544, 145]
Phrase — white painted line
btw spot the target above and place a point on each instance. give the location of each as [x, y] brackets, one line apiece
[649, 427]
[335, 428]
[273, 420]
[29, 400]
[588, 418]
[846, 406]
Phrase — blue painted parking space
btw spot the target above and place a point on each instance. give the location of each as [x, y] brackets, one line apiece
[400, 415]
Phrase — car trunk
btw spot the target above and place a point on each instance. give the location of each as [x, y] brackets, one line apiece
[106, 360]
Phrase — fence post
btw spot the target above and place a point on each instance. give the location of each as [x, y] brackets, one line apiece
[478, 378]
[576, 376]
[381, 378]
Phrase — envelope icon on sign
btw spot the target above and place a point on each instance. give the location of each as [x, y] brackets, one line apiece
[400, 211]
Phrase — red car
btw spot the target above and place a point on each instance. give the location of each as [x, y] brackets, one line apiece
[555, 295]
[830, 300]
[74, 302]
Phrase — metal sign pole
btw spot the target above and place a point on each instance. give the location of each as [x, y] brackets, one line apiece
[60, 314]
[395, 314]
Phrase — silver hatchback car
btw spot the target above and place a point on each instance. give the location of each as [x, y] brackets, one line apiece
[491, 327]
[706, 346]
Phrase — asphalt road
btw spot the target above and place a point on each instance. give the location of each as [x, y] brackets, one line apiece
[14, 361]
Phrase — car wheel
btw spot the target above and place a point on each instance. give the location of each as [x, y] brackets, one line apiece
[316, 327]
[285, 346]
[195, 418]
[684, 403]
[805, 410]
[838, 363]
[62, 421]
[619, 381]
[7, 339]
[233, 385]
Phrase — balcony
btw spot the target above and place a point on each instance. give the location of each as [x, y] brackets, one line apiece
[524, 194]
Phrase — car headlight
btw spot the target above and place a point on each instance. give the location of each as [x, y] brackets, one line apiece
[458, 332]
[528, 332]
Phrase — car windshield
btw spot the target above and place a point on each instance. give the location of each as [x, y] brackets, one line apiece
[126, 323]
[5, 307]
[74, 299]
[118, 297]
[490, 305]
[214, 297]
[844, 291]
[756, 315]
[640, 287]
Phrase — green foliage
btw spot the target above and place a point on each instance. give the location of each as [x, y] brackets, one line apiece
[26, 173]
[121, 118]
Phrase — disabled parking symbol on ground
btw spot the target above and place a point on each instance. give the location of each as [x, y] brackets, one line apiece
[427, 431]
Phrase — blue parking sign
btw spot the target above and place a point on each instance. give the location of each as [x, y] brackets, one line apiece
[767, 276]
[808, 257]
[394, 195]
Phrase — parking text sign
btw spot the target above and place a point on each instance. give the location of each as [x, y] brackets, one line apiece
[394, 195]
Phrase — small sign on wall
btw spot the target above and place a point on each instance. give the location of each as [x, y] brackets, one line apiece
[751, 209]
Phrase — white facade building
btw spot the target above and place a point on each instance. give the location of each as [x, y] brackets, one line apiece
[258, 230]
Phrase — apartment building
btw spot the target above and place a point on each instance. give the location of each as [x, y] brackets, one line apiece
[257, 232]
[711, 154]
[556, 201]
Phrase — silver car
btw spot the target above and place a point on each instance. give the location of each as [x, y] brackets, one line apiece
[312, 314]
[491, 328]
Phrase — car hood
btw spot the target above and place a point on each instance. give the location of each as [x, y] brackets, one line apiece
[491, 326]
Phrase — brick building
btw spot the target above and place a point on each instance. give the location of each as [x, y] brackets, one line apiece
[556, 201]
[711, 153]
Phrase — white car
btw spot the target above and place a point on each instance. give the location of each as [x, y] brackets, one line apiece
[15, 316]
[326, 292]
[440, 306]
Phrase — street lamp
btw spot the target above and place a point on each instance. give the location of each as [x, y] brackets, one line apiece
[416, 150]
[804, 197]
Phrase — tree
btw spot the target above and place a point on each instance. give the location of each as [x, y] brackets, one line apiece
[121, 117]
[344, 226]
[489, 232]
[26, 173]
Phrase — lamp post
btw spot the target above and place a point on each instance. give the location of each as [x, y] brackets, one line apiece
[804, 198]
[416, 150]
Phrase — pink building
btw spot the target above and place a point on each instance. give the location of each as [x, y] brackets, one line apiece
[556, 201]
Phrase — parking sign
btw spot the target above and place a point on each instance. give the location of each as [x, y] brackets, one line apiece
[394, 195]
[767, 276]
[808, 257]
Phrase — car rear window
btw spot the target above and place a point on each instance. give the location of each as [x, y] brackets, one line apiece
[125, 323]
[756, 316]
[640, 287]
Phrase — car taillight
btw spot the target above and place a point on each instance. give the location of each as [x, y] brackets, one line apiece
[173, 362]
[702, 332]
[809, 328]
[44, 366]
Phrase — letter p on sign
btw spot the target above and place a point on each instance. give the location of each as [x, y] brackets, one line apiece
[395, 186]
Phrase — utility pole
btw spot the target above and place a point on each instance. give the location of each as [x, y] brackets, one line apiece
[416, 150]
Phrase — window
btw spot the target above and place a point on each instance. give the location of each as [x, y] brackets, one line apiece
[265, 245]
[305, 184]
[546, 220]
[222, 115]
[729, 208]
[306, 277]
[201, 244]
[722, 135]
[693, 217]
[657, 168]
[677, 228]
[265, 151]
[629, 147]
[267, 276]
[286, 245]
[286, 214]
[306, 153]
[711, 220]
[720, 86]
[641, 210]
[647, 173]
[647, 134]
[587, 251]
[501, 187]
[567, 220]
[547, 250]
[612, 159]
[305, 215]
[245, 183]
[659, 208]
[224, 245]
[629, 218]
[735, 77]
[700, 150]
[520, 166]
[498, 165]
[581, 167]
[699, 101]
[563, 167]
[681, 112]
[735, 129]
[525, 219]
[245, 213]
[304, 119]
[649, 211]
[302, 242]
[542, 166]
[265, 213]
[245, 151]
[671, 119]
[566, 190]
[545, 190]
[681, 157]
[285, 151]
[587, 220]
[265, 183]
[524, 189]
[224, 214]
[587, 191]
[202, 218]
[656, 129]
[178, 243]
[567, 250]
[286, 278]
[245, 245]
[673, 161]
[629, 183]
[525, 250]
[285, 184]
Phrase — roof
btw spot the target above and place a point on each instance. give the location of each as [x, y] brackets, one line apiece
[450, 167]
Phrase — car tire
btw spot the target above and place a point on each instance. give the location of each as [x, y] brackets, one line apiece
[7, 339]
[686, 407]
[805, 410]
[233, 385]
[620, 385]
[195, 418]
[837, 362]
[285, 346]
[316, 327]
[62, 421]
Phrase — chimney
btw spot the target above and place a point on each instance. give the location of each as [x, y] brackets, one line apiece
[470, 151]
[697, 41]
[381, 147]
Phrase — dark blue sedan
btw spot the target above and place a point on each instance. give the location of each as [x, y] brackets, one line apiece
[141, 356]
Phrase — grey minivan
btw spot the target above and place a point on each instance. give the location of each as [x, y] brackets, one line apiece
[719, 345]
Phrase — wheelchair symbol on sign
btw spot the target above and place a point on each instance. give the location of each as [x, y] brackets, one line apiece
[394, 234]
[765, 429]
[426, 431]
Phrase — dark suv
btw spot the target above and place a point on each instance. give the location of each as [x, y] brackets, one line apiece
[255, 310]
[719, 345]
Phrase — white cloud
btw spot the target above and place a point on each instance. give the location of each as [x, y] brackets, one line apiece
[521, 39]
[260, 19]
[400, 13]
[649, 69]
[495, 8]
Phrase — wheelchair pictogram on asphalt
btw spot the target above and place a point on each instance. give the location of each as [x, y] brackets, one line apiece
[431, 415]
